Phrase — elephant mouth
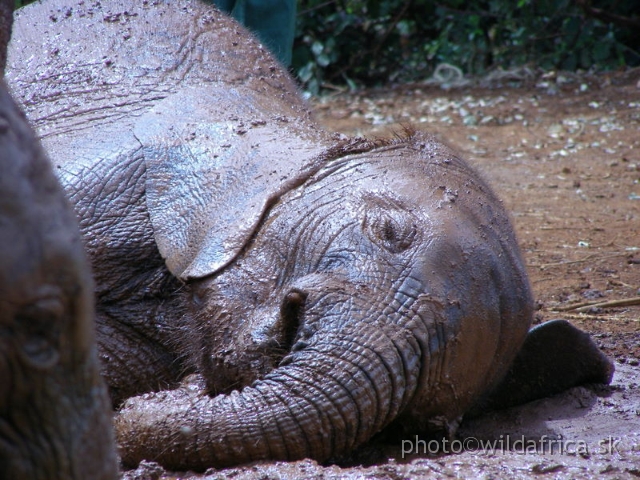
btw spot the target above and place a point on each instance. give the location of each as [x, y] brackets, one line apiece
[239, 364]
[291, 318]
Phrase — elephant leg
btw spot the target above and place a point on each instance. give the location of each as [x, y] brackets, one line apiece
[132, 363]
[224, 5]
[274, 23]
[555, 356]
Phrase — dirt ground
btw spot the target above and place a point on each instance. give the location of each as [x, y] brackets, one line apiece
[563, 152]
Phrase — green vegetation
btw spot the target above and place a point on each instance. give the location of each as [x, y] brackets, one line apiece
[370, 42]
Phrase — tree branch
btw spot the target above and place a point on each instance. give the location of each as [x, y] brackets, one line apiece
[583, 307]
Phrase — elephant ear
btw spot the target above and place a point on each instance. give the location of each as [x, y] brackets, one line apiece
[555, 356]
[216, 159]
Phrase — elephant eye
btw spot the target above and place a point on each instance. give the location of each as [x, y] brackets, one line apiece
[39, 326]
[393, 229]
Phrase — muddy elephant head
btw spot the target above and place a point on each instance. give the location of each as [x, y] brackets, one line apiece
[385, 287]
[54, 413]
[376, 244]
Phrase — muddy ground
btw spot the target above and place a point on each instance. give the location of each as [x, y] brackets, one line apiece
[563, 151]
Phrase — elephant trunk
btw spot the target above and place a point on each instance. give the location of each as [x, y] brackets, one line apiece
[324, 400]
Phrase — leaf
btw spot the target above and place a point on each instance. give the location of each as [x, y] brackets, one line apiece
[306, 72]
[323, 60]
[317, 48]
[601, 51]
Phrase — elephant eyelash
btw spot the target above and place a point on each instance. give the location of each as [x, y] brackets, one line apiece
[395, 231]
[389, 231]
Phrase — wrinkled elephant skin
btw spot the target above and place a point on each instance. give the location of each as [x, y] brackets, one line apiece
[55, 420]
[321, 288]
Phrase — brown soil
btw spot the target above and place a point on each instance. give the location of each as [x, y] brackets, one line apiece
[564, 154]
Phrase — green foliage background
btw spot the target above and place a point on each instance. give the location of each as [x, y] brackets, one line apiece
[369, 42]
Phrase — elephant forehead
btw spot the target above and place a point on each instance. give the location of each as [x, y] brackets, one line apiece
[374, 180]
[419, 173]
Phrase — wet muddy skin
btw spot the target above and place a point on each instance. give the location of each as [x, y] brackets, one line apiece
[567, 166]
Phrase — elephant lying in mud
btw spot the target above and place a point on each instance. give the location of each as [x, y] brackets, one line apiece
[322, 288]
[55, 420]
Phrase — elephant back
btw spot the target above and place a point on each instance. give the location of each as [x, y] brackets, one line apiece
[217, 123]
[84, 72]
